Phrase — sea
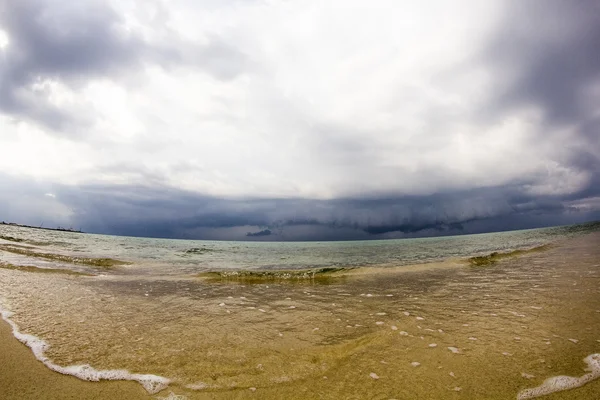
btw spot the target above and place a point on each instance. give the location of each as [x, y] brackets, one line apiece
[389, 319]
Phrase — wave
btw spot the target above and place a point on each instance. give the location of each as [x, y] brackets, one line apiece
[152, 383]
[560, 383]
[248, 276]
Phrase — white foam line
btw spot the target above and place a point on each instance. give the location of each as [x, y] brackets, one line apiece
[152, 383]
[560, 383]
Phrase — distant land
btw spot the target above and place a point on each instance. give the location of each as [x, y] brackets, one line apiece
[41, 227]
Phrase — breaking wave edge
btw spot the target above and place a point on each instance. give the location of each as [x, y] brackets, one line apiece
[561, 383]
[152, 383]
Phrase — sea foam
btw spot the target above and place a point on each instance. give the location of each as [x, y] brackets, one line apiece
[560, 383]
[152, 383]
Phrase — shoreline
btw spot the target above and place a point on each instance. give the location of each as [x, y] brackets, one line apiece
[22, 376]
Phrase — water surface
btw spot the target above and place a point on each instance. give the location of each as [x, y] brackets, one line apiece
[390, 330]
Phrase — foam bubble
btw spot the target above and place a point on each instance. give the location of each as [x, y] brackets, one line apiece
[172, 396]
[152, 383]
[561, 383]
[198, 386]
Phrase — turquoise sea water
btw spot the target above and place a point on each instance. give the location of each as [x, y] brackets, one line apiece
[181, 257]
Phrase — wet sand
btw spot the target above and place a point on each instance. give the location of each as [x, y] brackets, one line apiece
[22, 376]
[522, 313]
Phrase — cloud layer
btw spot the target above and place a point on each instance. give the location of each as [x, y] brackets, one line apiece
[348, 120]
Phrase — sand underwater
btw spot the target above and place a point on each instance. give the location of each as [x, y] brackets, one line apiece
[513, 325]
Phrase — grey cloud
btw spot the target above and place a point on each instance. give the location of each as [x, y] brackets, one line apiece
[73, 42]
[552, 48]
[52, 39]
[544, 53]
[218, 58]
[168, 212]
[178, 214]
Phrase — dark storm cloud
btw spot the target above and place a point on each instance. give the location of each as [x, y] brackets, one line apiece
[51, 41]
[553, 50]
[167, 212]
[178, 214]
[75, 42]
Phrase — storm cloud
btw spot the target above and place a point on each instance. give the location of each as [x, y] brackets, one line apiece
[297, 120]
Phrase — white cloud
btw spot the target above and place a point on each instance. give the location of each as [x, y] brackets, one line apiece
[4, 40]
[295, 99]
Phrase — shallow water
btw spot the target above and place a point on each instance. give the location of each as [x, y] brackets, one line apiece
[497, 329]
[181, 257]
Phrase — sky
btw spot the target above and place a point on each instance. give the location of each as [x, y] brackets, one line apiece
[299, 120]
